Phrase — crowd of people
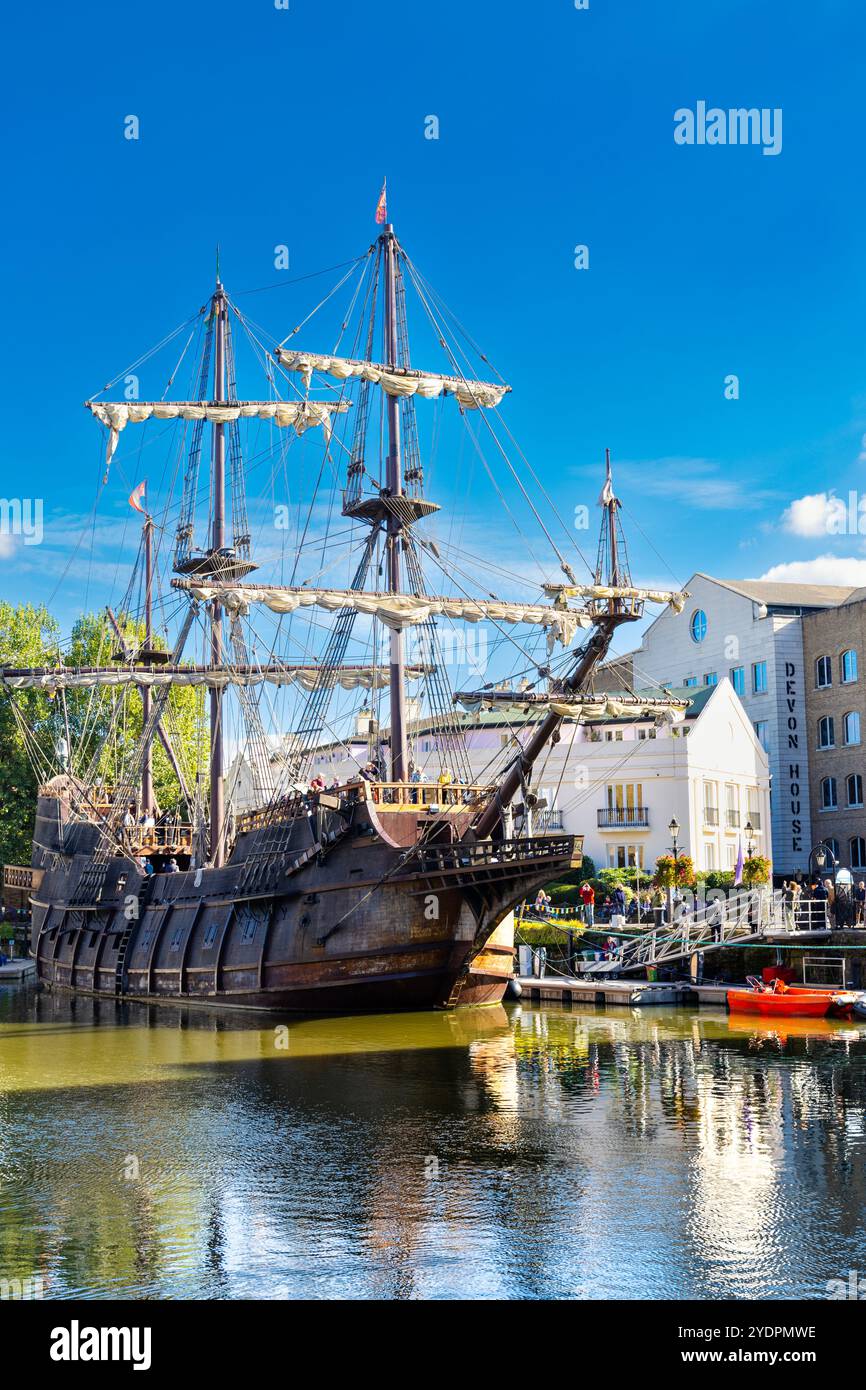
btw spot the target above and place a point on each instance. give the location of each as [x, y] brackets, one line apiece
[842, 904]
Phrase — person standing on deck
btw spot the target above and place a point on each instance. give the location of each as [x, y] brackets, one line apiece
[587, 893]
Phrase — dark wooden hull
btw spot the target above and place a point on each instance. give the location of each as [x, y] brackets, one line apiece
[335, 919]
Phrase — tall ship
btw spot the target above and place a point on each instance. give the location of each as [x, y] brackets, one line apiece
[380, 888]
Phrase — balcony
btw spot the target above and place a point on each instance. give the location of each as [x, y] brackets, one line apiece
[623, 818]
[732, 820]
[711, 815]
[545, 821]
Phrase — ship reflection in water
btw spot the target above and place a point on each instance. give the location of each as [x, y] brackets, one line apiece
[483, 1153]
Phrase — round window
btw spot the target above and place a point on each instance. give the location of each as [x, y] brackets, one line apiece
[699, 625]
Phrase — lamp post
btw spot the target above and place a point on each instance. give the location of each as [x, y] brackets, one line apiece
[750, 838]
[673, 831]
[820, 853]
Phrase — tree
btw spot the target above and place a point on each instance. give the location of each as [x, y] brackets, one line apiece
[99, 729]
[106, 725]
[28, 637]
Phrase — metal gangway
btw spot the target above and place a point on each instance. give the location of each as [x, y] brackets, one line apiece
[748, 916]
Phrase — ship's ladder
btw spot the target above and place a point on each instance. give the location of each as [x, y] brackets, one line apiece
[141, 899]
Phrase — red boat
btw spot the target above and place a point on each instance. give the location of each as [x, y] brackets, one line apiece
[787, 1001]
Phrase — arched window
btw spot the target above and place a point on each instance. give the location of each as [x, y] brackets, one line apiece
[854, 789]
[834, 846]
[828, 794]
[848, 665]
[823, 671]
[826, 732]
[851, 726]
[857, 846]
[699, 625]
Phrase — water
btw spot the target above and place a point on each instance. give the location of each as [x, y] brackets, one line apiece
[528, 1152]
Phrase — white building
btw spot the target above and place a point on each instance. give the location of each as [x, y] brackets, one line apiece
[752, 633]
[617, 782]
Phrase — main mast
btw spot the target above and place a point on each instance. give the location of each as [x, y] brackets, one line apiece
[217, 542]
[394, 484]
[147, 803]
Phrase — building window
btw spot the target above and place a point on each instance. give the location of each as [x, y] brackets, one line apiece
[625, 856]
[690, 681]
[826, 732]
[699, 625]
[738, 679]
[851, 725]
[828, 794]
[762, 733]
[823, 672]
[710, 854]
[711, 678]
[759, 678]
[854, 789]
[833, 845]
[711, 804]
[848, 664]
[732, 805]
[857, 846]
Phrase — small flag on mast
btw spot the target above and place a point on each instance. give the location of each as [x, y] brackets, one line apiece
[136, 497]
[382, 205]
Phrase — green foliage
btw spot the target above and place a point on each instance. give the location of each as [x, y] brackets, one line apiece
[110, 720]
[546, 933]
[27, 638]
[715, 878]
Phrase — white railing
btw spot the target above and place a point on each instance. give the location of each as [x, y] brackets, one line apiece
[745, 916]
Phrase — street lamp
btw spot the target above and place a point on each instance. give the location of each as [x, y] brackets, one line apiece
[820, 854]
[750, 836]
[673, 831]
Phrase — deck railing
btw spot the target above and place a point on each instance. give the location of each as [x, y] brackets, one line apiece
[448, 798]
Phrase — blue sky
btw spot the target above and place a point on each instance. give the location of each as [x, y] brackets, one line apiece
[261, 126]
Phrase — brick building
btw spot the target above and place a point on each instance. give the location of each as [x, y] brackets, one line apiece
[834, 651]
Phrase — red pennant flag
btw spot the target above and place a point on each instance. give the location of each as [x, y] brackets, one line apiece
[135, 497]
[382, 205]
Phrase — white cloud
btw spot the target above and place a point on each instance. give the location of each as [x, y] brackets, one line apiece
[824, 569]
[693, 482]
[816, 514]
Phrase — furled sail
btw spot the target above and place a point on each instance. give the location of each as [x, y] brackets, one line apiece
[580, 706]
[396, 381]
[53, 678]
[300, 415]
[675, 598]
[396, 611]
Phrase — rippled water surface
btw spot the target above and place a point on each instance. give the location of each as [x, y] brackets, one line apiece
[524, 1152]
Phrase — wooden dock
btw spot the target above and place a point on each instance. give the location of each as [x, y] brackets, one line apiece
[559, 989]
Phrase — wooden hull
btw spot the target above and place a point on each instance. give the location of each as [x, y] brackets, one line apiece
[335, 919]
[492, 968]
[795, 1003]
